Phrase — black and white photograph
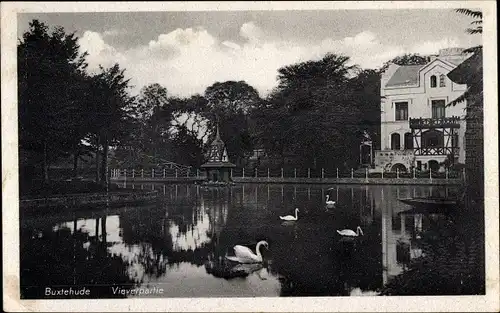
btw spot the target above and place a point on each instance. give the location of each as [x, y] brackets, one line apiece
[262, 156]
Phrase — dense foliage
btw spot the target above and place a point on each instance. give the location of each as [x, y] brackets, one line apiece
[316, 116]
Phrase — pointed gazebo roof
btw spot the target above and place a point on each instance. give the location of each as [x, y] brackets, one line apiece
[217, 154]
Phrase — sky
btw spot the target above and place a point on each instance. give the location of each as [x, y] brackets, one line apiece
[188, 51]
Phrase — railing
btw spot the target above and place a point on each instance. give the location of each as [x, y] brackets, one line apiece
[155, 173]
[446, 122]
[437, 150]
[159, 174]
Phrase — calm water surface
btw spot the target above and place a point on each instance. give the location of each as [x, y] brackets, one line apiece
[179, 244]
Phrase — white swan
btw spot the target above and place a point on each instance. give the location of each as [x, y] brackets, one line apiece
[350, 232]
[329, 203]
[245, 255]
[291, 217]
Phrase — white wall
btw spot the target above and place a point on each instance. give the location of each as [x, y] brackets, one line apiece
[419, 99]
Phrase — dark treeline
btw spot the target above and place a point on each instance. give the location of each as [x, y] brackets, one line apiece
[63, 110]
[315, 117]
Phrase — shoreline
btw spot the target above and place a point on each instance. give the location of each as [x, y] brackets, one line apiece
[81, 201]
[304, 180]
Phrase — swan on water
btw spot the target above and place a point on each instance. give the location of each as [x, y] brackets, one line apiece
[291, 217]
[246, 255]
[350, 232]
[230, 270]
[329, 203]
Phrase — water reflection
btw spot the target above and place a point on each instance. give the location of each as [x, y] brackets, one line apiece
[181, 244]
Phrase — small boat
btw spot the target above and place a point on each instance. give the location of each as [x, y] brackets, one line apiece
[431, 203]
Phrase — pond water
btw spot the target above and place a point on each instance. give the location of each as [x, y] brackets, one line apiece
[177, 247]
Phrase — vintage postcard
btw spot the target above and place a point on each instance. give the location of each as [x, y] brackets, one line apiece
[250, 156]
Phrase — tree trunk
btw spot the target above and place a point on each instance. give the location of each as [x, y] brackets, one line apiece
[103, 231]
[104, 161]
[97, 160]
[75, 161]
[97, 219]
[474, 158]
[45, 163]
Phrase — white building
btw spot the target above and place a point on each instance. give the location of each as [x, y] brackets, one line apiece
[418, 129]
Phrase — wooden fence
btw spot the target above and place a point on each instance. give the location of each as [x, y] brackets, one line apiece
[165, 173]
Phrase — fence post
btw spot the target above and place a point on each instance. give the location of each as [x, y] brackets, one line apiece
[322, 173]
[133, 173]
[383, 170]
[413, 173]
[231, 173]
[463, 174]
[153, 173]
[164, 173]
[337, 172]
[176, 173]
[430, 173]
[142, 173]
[268, 172]
[295, 173]
[352, 172]
[125, 174]
[198, 173]
[243, 173]
[255, 172]
[281, 172]
[397, 173]
[446, 173]
[366, 174]
[308, 173]
[187, 172]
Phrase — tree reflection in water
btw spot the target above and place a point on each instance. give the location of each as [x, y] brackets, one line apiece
[185, 239]
[67, 258]
[451, 262]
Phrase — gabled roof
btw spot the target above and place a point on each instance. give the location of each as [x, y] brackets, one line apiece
[408, 75]
[405, 75]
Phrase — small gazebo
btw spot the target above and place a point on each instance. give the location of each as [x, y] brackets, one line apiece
[218, 166]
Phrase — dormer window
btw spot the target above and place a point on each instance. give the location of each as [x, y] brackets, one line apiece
[442, 81]
[433, 81]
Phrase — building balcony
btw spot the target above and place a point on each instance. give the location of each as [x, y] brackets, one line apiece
[443, 122]
[437, 151]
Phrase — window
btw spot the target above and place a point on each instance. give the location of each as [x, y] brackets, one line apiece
[395, 141]
[408, 141]
[433, 81]
[438, 108]
[401, 111]
[442, 80]
[432, 139]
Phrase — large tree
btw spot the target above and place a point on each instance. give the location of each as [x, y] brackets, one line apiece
[312, 114]
[228, 104]
[111, 114]
[52, 92]
[155, 115]
[470, 72]
[366, 96]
